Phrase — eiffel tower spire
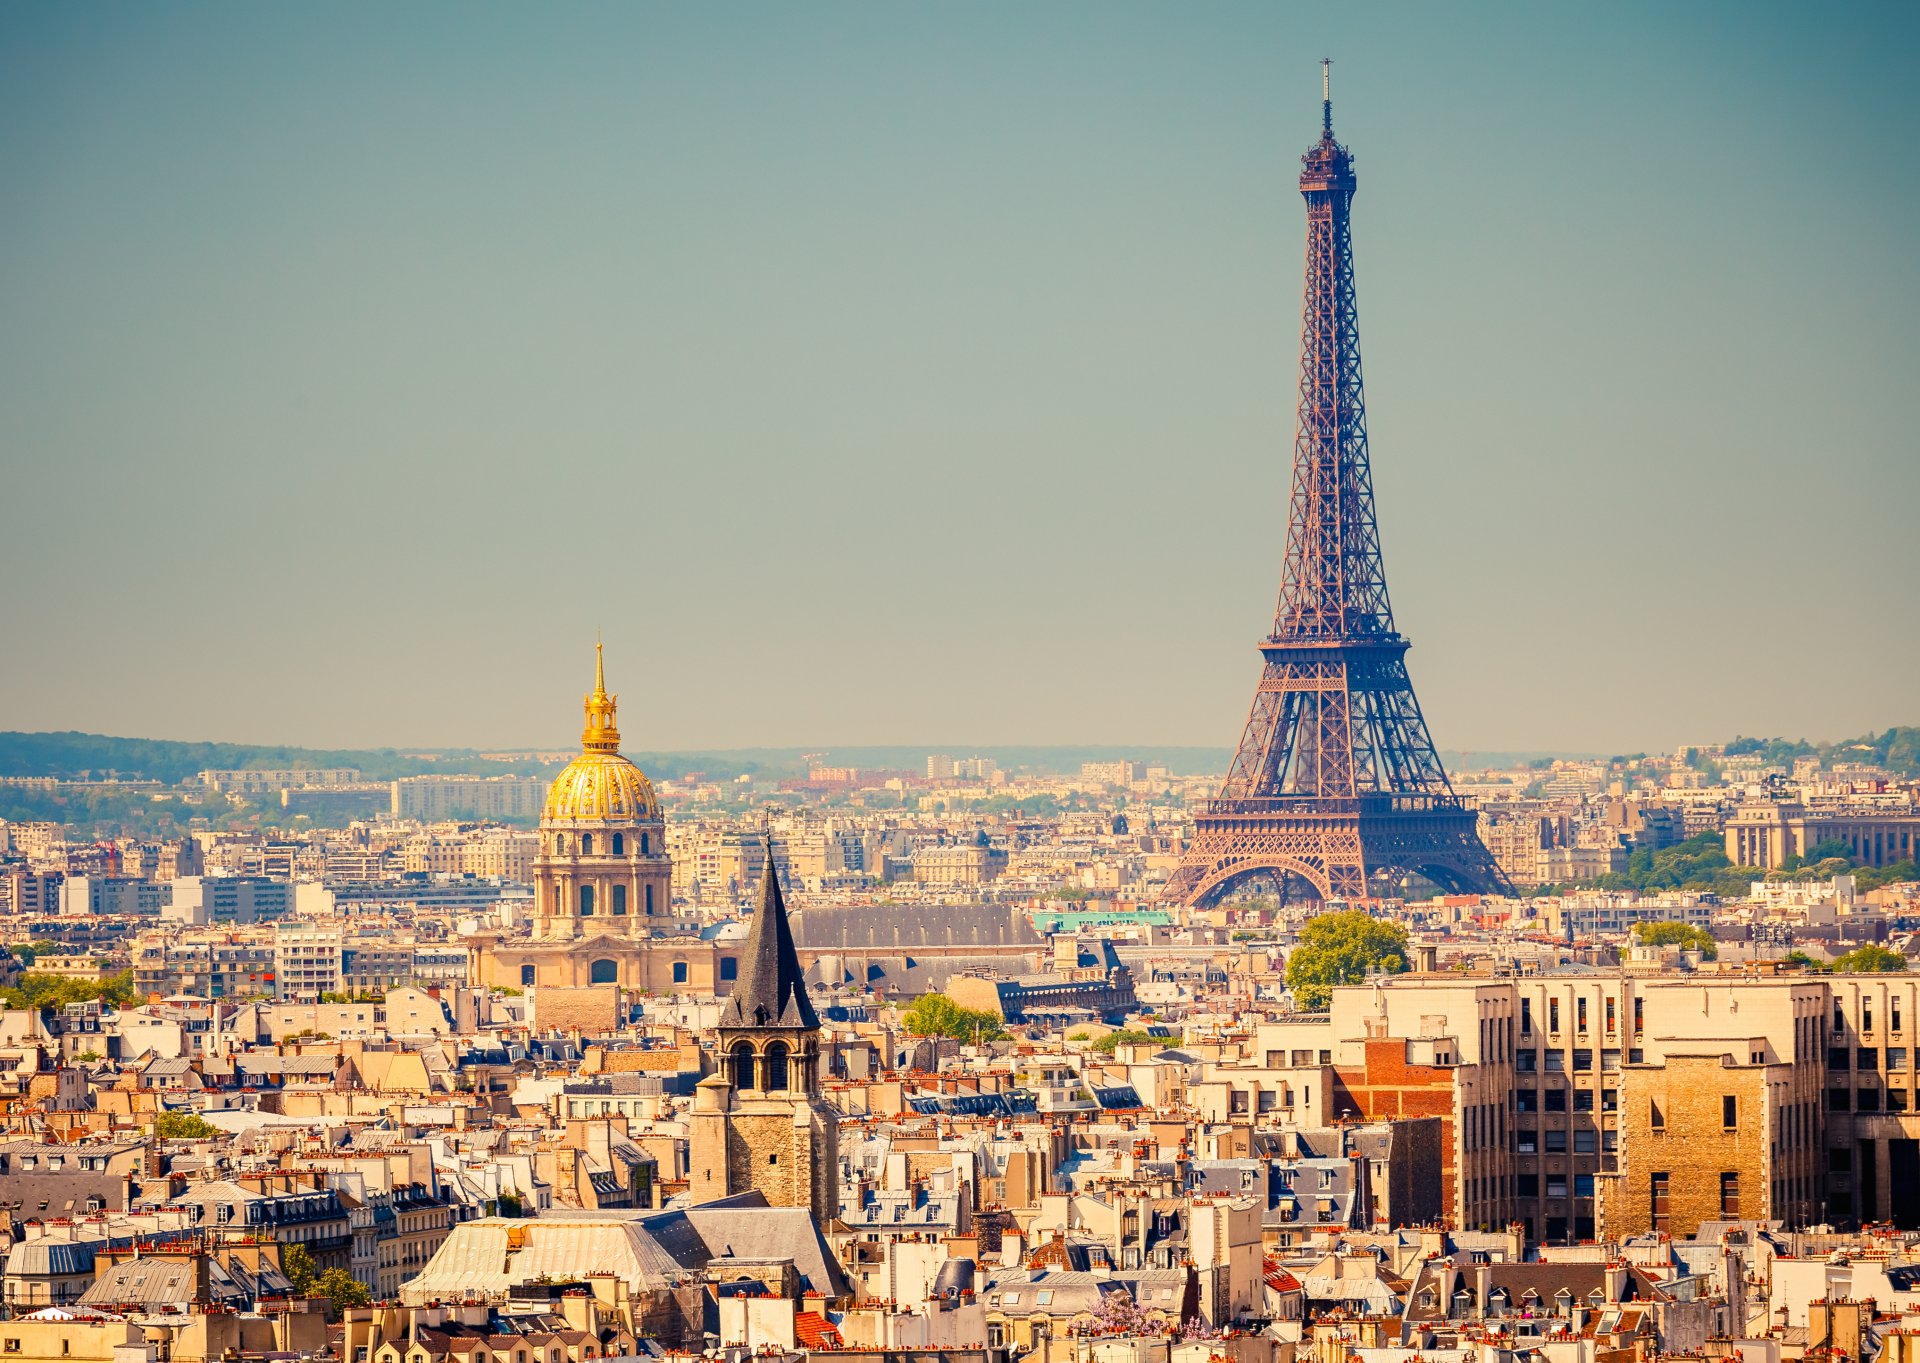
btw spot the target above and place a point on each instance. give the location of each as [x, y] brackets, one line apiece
[1336, 780]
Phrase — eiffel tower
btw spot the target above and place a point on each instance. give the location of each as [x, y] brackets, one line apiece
[1336, 783]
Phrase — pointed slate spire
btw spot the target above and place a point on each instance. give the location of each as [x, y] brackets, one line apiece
[771, 990]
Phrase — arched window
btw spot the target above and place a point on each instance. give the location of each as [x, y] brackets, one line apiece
[619, 900]
[586, 901]
[619, 845]
[740, 1064]
[643, 844]
[586, 844]
[526, 974]
[560, 844]
[603, 972]
[649, 893]
[776, 1067]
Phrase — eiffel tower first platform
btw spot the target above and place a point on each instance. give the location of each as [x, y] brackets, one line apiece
[1336, 783]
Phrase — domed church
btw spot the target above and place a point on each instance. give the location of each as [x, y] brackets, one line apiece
[603, 884]
[602, 870]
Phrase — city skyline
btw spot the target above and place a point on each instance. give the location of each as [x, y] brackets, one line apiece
[870, 375]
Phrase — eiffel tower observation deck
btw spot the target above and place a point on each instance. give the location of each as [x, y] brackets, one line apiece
[1336, 790]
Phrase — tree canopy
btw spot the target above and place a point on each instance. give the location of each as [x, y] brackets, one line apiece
[938, 1015]
[337, 1287]
[1870, 960]
[1686, 936]
[1699, 863]
[39, 991]
[1125, 1036]
[1342, 948]
[183, 1126]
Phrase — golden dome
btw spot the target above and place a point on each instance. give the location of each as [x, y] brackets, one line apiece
[600, 784]
[603, 786]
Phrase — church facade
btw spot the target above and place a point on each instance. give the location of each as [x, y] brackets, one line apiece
[603, 884]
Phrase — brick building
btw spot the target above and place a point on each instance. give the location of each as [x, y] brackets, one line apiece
[1700, 1132]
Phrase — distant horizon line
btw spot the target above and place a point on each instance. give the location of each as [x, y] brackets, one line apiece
[824, 750]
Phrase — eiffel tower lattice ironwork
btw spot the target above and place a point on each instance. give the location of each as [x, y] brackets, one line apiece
[1336, 782]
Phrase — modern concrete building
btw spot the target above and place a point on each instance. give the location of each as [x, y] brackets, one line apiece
[431, 798]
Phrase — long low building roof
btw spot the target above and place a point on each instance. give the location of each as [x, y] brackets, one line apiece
[648, 1249]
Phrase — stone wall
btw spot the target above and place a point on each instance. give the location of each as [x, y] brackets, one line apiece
[1673, 1123]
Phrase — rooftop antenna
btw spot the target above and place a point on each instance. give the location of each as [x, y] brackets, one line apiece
[1326, 96]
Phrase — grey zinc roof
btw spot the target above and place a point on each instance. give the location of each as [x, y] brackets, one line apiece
[51, 1258]
[142, 1282]
[771, 1233]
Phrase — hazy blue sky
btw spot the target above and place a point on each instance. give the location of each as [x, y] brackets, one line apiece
[909, 372]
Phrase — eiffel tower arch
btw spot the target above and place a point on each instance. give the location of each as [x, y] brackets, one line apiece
[1335, 786]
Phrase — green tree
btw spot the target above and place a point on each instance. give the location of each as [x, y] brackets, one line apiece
[1125, 1036]
[41, 991]
[28, 952]
[1898, 873]
[340, 1290]
[183, 1126]
[1870, 960]
[1686, 936]
[1342, 948]
[296, 1262]
[337, 1287]
[938, 1015]
[1691, 865]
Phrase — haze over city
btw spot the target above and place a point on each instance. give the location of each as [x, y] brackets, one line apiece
[757, 684]
[872, 375]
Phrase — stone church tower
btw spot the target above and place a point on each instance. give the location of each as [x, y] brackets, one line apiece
[760, 1123]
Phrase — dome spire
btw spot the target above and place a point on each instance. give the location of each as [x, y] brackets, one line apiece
[601, 734]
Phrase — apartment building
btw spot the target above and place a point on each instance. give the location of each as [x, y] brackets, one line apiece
[25, 893]
[110, 896]
[1872, 1146]
[1592, 915]
[267, 780]
[958, 864]
[308, 961]
[429, 798]
[1555, 1093]
[201, 901]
